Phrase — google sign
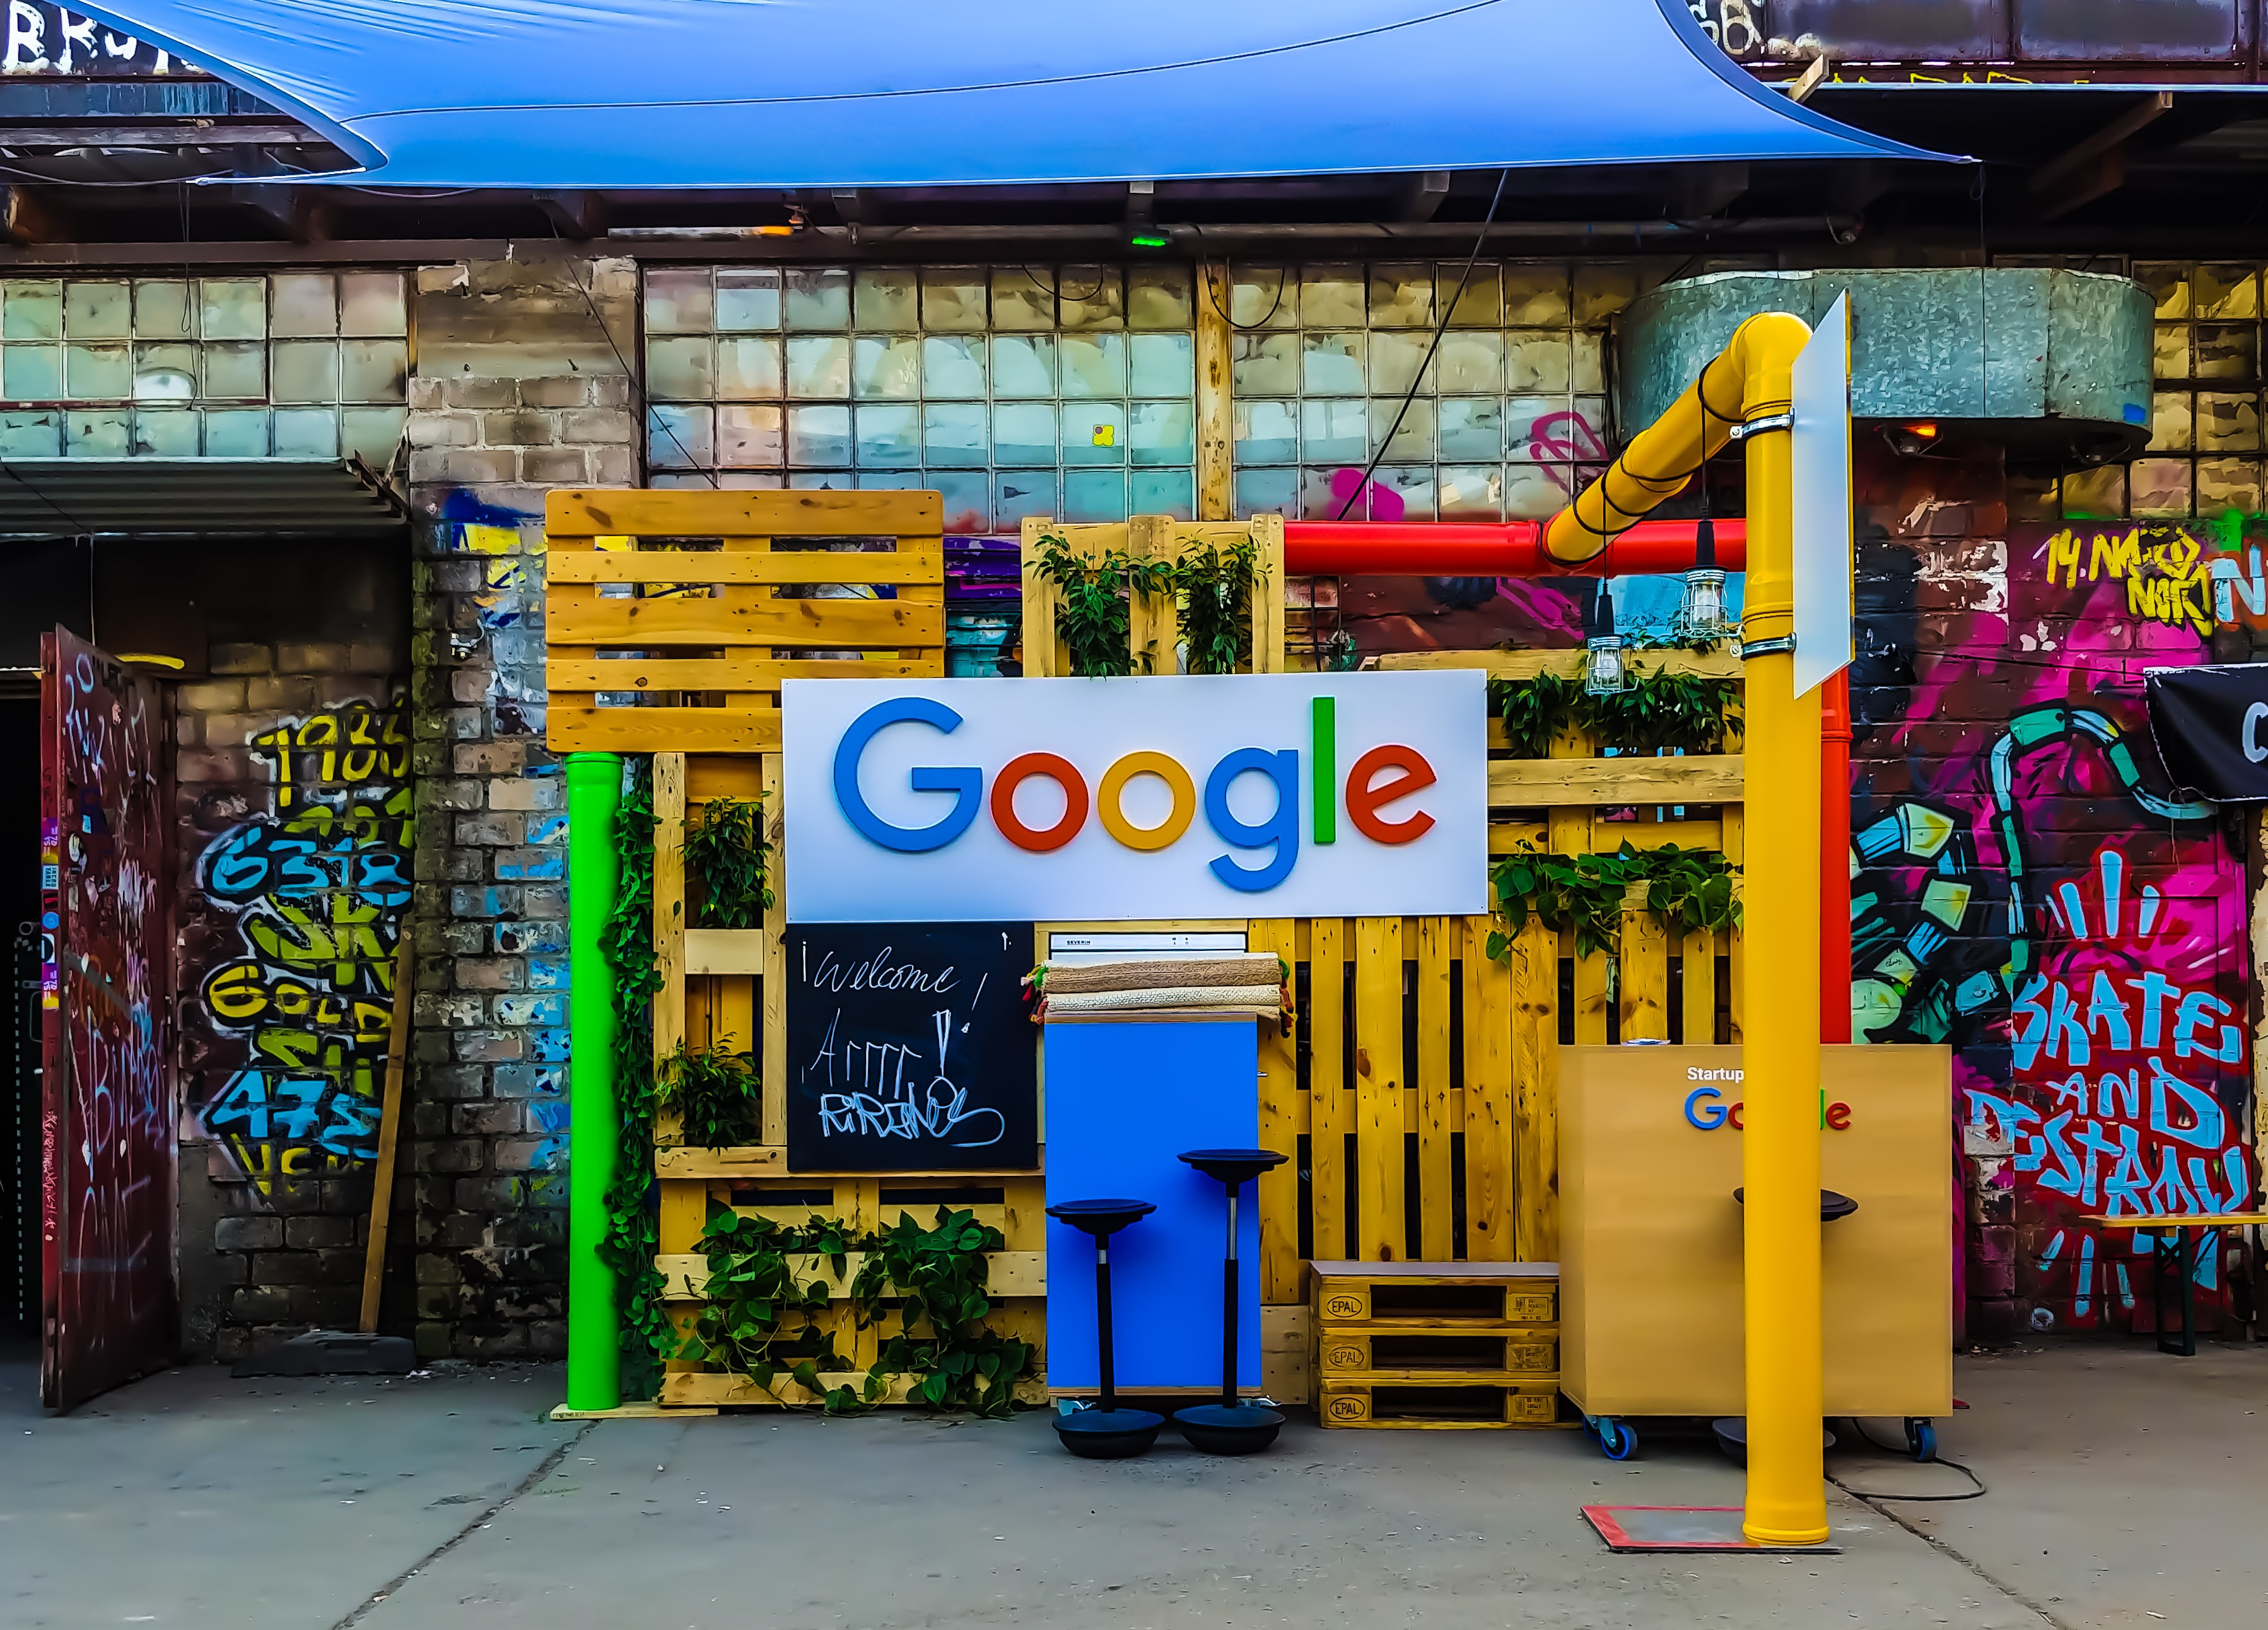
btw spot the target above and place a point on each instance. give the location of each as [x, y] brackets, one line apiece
[1169, 798]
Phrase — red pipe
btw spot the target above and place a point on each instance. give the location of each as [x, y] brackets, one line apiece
[1503, 550]
[1835, 859]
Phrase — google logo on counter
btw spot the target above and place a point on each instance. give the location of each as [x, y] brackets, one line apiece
[1364, 794]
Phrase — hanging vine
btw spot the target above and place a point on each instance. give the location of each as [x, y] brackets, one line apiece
[752, 1291]
[1691, 890]
[1657, 711]
[935, 1275]
[631, 1236]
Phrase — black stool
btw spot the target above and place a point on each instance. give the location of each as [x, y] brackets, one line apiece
[1108, 1433]
[1229, 1427]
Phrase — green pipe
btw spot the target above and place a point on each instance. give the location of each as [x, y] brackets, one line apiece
[595, 794]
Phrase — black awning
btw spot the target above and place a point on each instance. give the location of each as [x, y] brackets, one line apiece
[193, 498]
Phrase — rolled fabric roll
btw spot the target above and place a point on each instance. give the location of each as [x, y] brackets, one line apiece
[1247, 969]
[1166, 996]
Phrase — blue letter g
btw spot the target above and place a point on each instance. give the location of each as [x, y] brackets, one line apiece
[966, 783]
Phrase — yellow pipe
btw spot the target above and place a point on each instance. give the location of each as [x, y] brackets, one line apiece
[1779, 1148]
[1750, 381]
[1658, 461]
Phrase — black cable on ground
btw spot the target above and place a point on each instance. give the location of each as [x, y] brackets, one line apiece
[1934, 1459]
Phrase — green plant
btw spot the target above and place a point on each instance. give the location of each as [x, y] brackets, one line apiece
[1659, 710]
[715, 1095]
[1094, 615]
[1535, 712]
[1689, 889]
[939, 1273]
[726, 851]
[629, 1244]
[1214, 585]
[752, 1290]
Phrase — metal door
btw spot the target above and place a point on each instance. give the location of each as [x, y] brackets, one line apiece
[108, 1296]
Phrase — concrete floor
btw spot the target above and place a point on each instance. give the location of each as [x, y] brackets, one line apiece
[2126, 1491]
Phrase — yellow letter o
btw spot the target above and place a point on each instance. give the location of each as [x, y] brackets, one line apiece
[1114, 787]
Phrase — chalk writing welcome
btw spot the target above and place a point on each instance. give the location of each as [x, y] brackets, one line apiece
[909, 1049]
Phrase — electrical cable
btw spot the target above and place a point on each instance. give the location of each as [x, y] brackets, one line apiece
[1101, 276]
[636, 391]
[1441, 328]
[1934, 1459]
[1212, 298]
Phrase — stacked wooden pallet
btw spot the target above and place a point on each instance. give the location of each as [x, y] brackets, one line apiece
[1436, 1345]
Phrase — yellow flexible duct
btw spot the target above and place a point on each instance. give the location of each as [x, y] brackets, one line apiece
[1664, 456]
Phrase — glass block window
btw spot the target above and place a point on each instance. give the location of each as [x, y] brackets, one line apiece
[2206, 451]
[282, 366]
[1509, 416]
[1019, 390]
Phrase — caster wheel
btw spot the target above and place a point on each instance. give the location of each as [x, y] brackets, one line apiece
[1921, 1439]
[1617, 1439]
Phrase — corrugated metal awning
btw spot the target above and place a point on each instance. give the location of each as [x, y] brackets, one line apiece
[192, 498]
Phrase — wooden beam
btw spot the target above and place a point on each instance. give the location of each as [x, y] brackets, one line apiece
[1554, 783]
[389, 1127]
[1006, 1273]
[724, 951]
[1718, 664]
[33, 218]
[2091, 168]
[697, 512]
[1215, 397]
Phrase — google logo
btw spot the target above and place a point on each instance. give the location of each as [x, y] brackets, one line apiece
[1380, 777]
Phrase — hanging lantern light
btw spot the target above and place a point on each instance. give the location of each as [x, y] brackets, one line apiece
[1603, 673]
[1701, 614]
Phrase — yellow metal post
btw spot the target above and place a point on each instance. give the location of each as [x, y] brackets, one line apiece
[1750, 383]
[1786, 1496]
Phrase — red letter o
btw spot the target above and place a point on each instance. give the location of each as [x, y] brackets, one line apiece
[1363, 801]
[1058, 770]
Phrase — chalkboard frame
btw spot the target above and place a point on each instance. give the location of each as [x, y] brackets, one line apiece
[991, 1056]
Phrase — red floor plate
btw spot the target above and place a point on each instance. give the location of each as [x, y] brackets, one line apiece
[1683, 1528]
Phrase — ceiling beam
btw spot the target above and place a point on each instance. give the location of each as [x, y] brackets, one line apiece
[30, 217]
[1427, 192]
[579, 216]
[300, 215]
[2095, 166]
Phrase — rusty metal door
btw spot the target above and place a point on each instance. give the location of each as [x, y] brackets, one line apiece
[109, 1299]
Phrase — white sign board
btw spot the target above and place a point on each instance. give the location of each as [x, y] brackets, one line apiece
[1141, 799]
[1819, 456]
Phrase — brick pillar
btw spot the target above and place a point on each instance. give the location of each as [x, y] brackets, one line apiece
[518, 389]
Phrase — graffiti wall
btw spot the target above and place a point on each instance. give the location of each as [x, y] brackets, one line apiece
[297, 1006]
[2028, 888]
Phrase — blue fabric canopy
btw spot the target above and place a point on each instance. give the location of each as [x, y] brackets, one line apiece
[621, 94]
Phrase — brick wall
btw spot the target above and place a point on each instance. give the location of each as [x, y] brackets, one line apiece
[292, 788]
[518, 389]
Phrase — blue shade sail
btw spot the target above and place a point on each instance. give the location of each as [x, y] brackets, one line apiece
[618, 94]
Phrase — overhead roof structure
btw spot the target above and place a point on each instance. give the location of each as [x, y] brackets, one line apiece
[657, 94]
[193, 498]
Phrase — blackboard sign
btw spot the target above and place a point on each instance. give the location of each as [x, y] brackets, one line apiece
[910, 1048]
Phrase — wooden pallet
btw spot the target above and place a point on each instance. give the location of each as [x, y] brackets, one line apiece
[661, 647]
[1436, 1344]
[1442, 1404]
[1353, 1297]
[1424, 1352]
